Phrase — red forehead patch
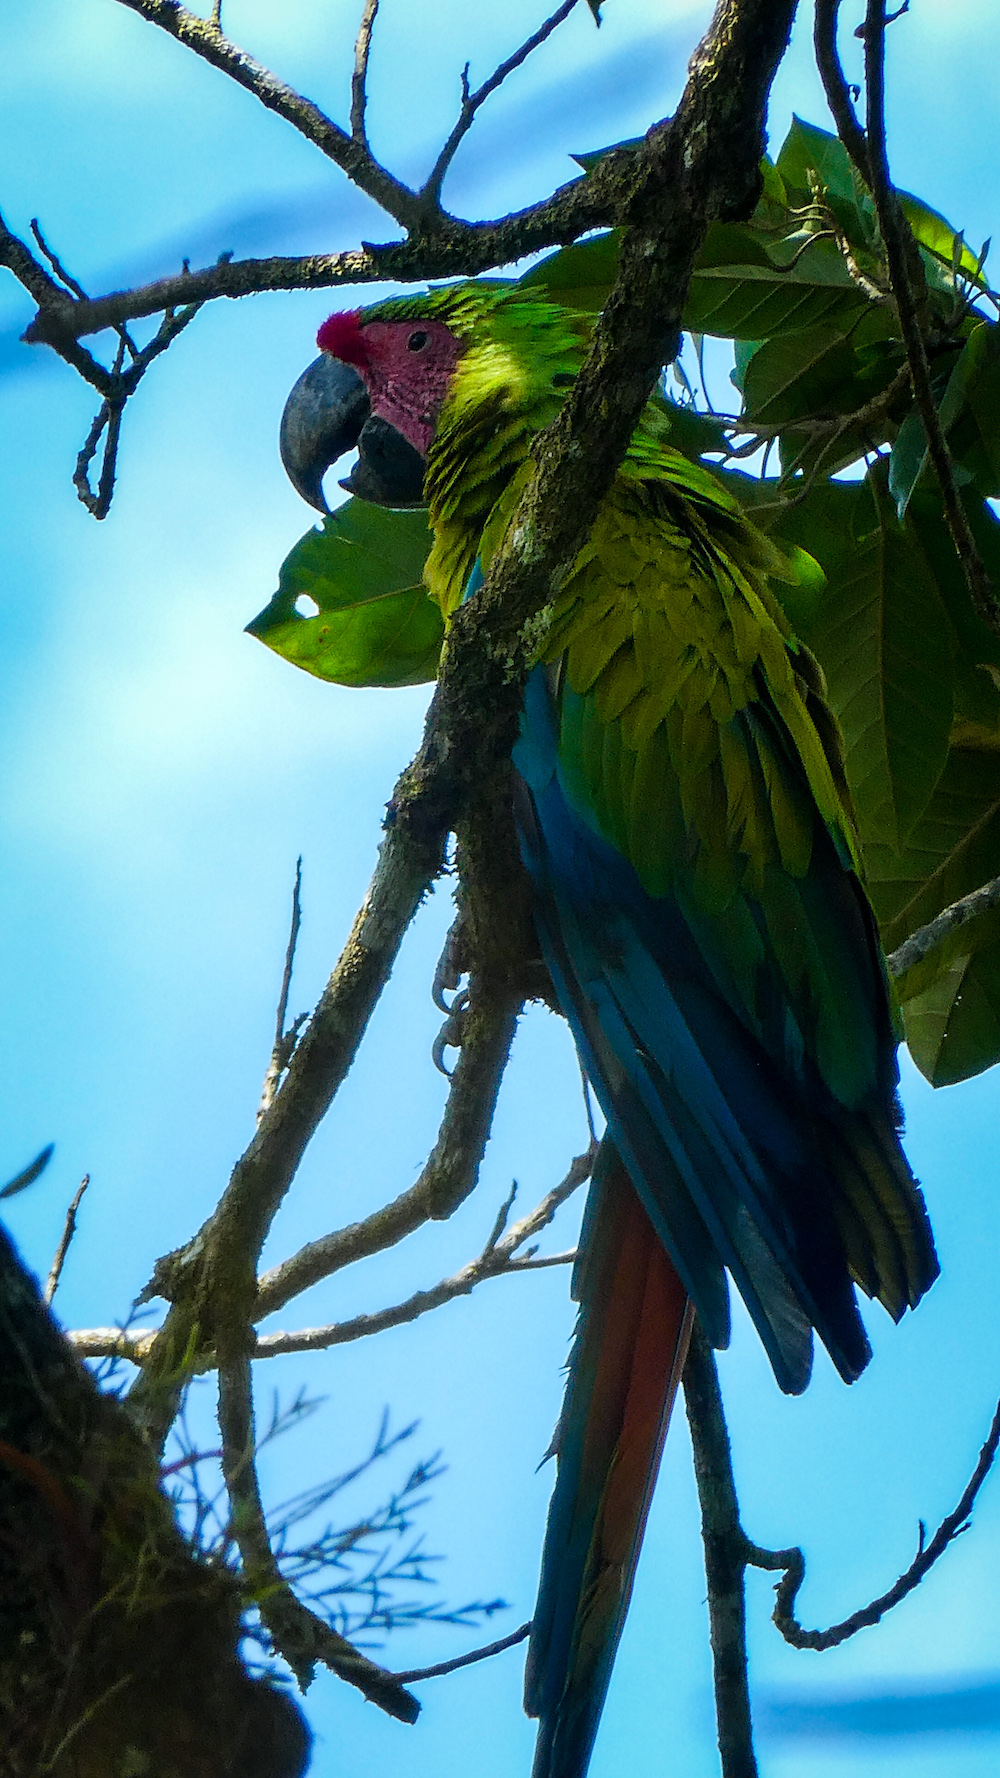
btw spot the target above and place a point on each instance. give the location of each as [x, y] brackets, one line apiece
[341, 337]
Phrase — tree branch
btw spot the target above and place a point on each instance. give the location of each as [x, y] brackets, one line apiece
[477, 1654]
[927, 938]
[458, 249]
[497, 1259]
[69, 1230]
[793, 1562]
[204, 37]
[447, 1178]
[906, 273]
[299, 1635]
[430, 191]
[222, 1258]
[284, 1041]
[838, 95]
[725, 1558]
[359, 79]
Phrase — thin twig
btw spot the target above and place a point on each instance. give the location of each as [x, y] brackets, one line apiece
[359, 80]
[462, 1283]
[206, 39]
[477, 1654]
[447, 1177]
[109, 416]
[927, 938]
[284, 1042]
[793, 1562]
[471, 101]
[236, 1231]
[838, 95]
[906, 273]
[69, 1229]
[57, 266]
[500, 1257]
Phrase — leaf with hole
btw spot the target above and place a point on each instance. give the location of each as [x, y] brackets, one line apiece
[376, 623]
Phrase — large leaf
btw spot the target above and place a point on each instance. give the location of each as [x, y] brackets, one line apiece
[883, 639]
[797, 374]
[376, 623]
[976, 648]
[809, 154]
[953, 1025]
[740, 288]
[951, 999]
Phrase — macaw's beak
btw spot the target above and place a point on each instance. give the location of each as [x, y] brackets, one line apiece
[327, 413]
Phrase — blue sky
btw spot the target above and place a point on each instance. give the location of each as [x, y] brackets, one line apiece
[164, 770]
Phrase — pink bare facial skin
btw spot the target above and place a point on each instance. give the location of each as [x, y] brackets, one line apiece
[406, 367]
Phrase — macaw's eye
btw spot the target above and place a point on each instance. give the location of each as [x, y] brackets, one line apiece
[416, 342]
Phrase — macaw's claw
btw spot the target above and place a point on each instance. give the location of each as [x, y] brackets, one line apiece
[451, 966]
[452, 1033]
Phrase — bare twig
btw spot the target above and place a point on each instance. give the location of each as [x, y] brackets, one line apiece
[69, 1229]
[793, 1562]
[838, 95]
[299, 1635]
[236, 1231]
[448, 1176]
[205, 38]
[108, 416]
[495, 1263]
[284, 1041]
[120, 385]
[906, 273]
[61, 273]
[725, 1558]
[471, 101]
[500, 1257]
[359, 93]
[477, 1654]
[927, 938]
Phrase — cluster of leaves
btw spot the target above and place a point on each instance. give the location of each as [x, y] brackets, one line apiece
[801, 290]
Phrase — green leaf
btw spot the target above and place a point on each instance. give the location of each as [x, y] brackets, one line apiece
[807, 151]
[969, 411]
[739, 290]
[376, 624]
[975, 647]
[937, 235]
[883, 639]
[951, 999]
[953, 1025]
[796, 374]
[579, 277]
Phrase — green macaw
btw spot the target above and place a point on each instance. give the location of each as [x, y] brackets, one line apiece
[686, 827]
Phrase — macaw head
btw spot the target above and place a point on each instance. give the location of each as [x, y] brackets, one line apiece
[387, 376]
